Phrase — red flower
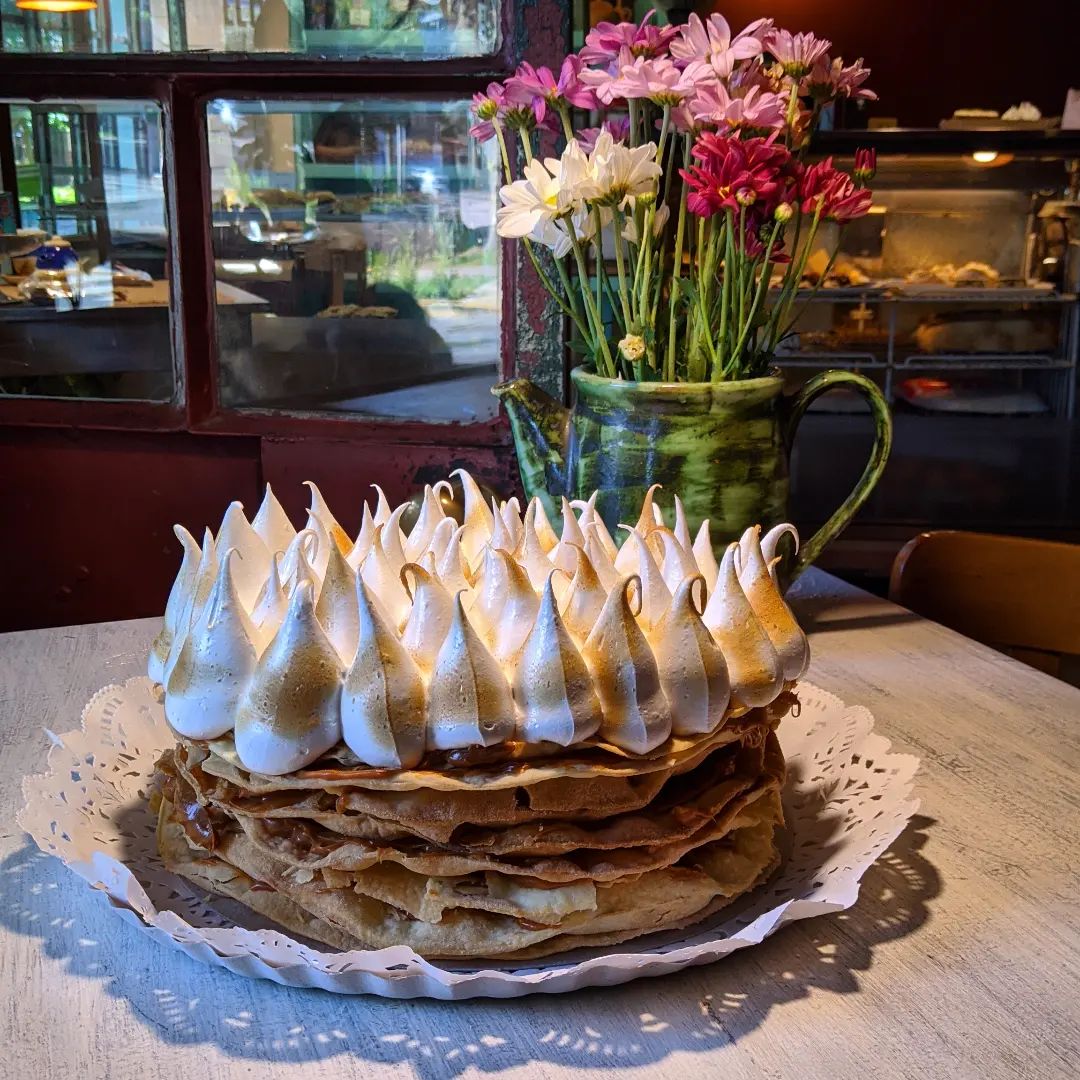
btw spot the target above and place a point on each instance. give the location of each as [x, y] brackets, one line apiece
[736, 174]
[865, 166]
[824, 187]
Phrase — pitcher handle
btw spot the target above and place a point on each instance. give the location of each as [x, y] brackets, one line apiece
[883, 428]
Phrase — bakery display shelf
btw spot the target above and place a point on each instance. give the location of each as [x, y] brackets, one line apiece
[905, 293]
[984, 362]
[825, 359]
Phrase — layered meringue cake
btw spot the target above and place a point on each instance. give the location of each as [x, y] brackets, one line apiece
[485, 739]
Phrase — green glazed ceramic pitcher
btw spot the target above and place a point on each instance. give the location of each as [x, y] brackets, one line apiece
[722, 447]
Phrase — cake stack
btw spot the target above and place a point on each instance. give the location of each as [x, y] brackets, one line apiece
[477, 740]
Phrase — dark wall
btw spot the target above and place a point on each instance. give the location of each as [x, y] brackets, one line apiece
[929, 57]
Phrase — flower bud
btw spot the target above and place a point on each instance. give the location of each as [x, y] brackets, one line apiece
[488, 109]
[783, 212]
[746, 196]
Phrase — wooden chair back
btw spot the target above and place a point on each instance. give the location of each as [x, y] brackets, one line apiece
[1019, 596]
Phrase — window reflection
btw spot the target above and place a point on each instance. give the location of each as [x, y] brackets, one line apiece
[411, 29]
[84, 295]
[365, 231]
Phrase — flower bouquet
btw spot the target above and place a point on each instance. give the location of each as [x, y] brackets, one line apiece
[669, 216]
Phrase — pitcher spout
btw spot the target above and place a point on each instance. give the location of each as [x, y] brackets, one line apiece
[540, 426]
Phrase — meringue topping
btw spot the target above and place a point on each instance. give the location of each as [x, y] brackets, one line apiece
[429, 619]
[775, 616]
[384, 581]
[336, 609]
[182, 587]
[254, 556]
[478, 519]
[755, 671]
[215, 663]
[771, 540]
[430, 516]
[635, 712]
[382, 506]
[584, 599]
[266, 653]
[290, 713]
[271, 524]
[704, 557]
[468, 700]
[382, 702]
[693, 672]
[552, 686]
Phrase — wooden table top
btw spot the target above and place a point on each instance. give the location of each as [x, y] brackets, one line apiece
[959, 960]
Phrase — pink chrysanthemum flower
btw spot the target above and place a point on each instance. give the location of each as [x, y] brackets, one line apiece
[712, 43]
[755, 108]
[540, 90]
[658, 80]
[486, 107]
[604, 41]
[796, 53]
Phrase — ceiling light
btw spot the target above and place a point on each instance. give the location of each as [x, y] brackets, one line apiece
[62, 6]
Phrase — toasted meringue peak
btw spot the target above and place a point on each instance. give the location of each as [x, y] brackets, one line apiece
[647, 519]
[510, 511]
[635, 712]
[271, 524]
[571, 530]
[775, 616]
[693, 672]
[586, 510]
[771, 540]
[655, 595]
[182, 588]
[427, 562]
[478, 520]
[319, 552]
[271, 605]
[681, 528]
[440, 539]
[206, 574]
[503, 537]
[385, 582]
[336, 609]
[431, 514]
[453, 572]
[677, 563]
[704, 557]
[321, 510]
[583, 599]
[755, 670]
[429, 619]
[532, 556]
[382, 506]
[541, 523]
[552, 685]
[215, 663]
[599, 555]
[254, 556]
[364, 539]
[469, 701]
[516, 614]
[298, 563]
[393, 539]
[382, 702]
[290, 713]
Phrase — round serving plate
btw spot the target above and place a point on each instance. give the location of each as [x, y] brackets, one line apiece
[847, 797]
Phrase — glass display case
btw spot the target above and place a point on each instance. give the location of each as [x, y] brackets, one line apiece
[84, 251]
[365, 229]
[958, 293]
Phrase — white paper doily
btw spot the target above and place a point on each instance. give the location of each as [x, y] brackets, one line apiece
[847, 798]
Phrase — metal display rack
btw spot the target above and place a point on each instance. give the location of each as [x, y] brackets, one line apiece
[895, 356]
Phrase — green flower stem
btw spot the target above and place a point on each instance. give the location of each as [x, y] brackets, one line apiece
[725, 297]
[620, 263]
[663, 135]
[564, 115]
[759, 295]
[526, 144]
[575, 303]
[502, 150]
[598, 327]
[680, 232]
[633, 107]
[789, 287]
[814, 290]
[647, 246]
[549, 285]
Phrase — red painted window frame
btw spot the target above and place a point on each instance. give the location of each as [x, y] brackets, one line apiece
[182, 85]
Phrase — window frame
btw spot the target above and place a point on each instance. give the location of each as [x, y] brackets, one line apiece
[182, 84]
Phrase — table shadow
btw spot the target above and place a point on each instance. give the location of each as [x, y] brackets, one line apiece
[184, 1003]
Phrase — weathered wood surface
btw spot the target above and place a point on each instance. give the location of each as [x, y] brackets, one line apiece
[960, 959]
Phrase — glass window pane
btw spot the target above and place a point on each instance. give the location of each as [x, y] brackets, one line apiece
[84, 290]
[407, 29]
[358, 237]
